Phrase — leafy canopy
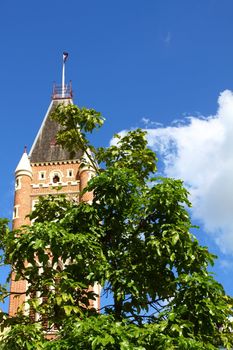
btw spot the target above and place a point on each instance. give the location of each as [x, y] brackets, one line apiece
[134, 240]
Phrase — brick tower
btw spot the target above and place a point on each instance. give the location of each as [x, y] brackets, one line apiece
[47, 167]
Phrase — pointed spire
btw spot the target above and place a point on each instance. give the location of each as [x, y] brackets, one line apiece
[24, 166]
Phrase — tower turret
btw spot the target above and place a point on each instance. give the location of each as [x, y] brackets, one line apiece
[22, 201]
[22, 207]
[86, 172]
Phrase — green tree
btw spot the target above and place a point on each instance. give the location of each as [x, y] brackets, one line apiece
[134, 240]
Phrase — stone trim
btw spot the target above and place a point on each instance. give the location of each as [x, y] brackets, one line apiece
[57, 184]
[75, 161]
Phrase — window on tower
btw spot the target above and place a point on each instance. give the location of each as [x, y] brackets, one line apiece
[18, 183]
[56, 179]
[42, 175]
[16, 212]
[70, 173]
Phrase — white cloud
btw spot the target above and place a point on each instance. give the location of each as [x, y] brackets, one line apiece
[149, 123]
[201, 153]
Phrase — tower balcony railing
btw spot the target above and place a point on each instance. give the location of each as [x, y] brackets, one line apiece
[62, 92]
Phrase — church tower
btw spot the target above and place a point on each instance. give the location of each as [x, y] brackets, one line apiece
[40, 173]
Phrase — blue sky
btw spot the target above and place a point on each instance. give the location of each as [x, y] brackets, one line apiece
[139, 62]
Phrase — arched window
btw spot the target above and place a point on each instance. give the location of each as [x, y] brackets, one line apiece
[56, 176]
[56, 179]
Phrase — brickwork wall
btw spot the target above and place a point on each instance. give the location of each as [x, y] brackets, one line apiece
[72, 180]
[22, 202]
[22, 207]
[16, 299]
[85, 176]
[68, 184]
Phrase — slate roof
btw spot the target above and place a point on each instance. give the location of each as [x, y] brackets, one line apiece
[45, 148]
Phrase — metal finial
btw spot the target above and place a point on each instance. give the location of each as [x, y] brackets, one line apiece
[65, 55]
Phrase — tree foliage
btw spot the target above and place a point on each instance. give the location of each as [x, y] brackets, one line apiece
[134, 240]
